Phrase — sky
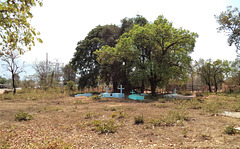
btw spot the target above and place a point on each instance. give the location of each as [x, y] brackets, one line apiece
[63, 23]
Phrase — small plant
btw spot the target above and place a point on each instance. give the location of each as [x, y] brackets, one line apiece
[23, 116]
[230, 130]
[96, 97]
[88, 115]
[105, 127]
[138, 119]
[156, 122]
[174, 117]
[113, 115]
[122, 114]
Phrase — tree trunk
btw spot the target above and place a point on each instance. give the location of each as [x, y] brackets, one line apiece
[13, 84]
[115, 86]
[215, 84]
[153, 83]
[142, 87]
[209, 88]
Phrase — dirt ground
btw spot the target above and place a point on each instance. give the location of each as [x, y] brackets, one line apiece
[68, 123]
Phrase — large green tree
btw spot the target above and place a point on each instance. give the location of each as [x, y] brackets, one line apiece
[155, 52]
[16, 32]
[84, 60]
[229, 22]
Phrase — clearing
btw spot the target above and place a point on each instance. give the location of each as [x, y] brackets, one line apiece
[86, 123]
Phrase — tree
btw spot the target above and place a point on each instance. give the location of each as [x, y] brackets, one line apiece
[16, 31]
[84, 60]
[229, 22]
[155, 52]
[213, 72]
[68, 74]
[48, 73]
[12, 65]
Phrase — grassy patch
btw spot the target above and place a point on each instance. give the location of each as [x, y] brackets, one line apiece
[105, 127]
[23, 116]
[230, 130]
[138, 119]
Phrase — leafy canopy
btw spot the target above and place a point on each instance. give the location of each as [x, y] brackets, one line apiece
[16, 31]
[155, 52]
[229, 22]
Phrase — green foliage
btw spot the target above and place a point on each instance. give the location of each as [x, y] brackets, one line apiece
[230, 130]
[122, 114]
[105, 127]
[229, 22]
[141, 48]
[138, 119]
[213, 72]
[68, 74]
[88, 115]
[175, 117]
[23, 116]
[71, 86]
[16, 31]
[85, 61]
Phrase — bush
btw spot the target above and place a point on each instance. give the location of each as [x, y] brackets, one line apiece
[88, 115]
[22, 116]
[230, 130]
[105, 127]
[122, 114]
[71, 86]
[138, 119]
[174, 117]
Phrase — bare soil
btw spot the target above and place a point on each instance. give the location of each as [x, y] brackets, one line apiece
[63, 123]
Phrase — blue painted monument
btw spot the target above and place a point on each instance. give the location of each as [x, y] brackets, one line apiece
[135, 96]
[114, 95]
[86, 94]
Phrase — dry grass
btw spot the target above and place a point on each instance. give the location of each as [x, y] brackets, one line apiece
[68, 122]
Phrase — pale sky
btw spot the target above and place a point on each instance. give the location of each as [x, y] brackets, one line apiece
[63, 23]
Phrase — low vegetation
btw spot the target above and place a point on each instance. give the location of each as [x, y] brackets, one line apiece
[69, 122]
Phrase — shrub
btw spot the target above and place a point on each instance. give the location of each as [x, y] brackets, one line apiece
[88, 115]
[96, 97]
[230, 130]
[105, 127]
[138, 119]
[122, 114]
[23, 116]
[156, 122]
[71, 86]
[174, 117]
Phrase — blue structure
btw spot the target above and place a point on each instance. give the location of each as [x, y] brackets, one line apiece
[135, 96]
[113, 95]
[86, 94]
